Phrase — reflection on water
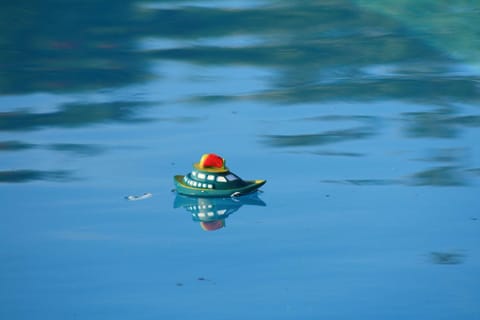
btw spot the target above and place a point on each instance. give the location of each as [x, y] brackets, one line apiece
[318, 138]
[346, 51]
[15, 145]
[343, 50]
[440, 23]
[59, 46]
[366, 127]
[446, 176]
[16, 176]
[74, 148]
[439, 123]
[211, 213]
[447, 257]
[77, 149]
[72, 116]
[370, 57]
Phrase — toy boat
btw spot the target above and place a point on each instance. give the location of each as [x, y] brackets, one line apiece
[211, 178]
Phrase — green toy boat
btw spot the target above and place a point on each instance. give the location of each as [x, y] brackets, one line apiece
[211, 178]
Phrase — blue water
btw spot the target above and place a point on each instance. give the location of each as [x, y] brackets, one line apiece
[362, 117]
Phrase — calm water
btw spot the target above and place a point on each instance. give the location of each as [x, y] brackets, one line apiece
[363, 116]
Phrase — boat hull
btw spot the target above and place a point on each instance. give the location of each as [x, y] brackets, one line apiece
[185, 189]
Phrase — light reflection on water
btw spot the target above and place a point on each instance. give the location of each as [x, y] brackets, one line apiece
[362, 116]
[211, 213]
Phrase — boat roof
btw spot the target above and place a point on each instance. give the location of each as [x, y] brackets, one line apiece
[210, 169]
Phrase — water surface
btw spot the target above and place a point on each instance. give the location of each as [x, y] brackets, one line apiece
[362, 117]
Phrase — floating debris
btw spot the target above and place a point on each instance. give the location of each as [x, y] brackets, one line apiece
[142, 197]
[206, 280]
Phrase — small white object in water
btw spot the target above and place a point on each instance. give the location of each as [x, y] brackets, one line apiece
[142, 197]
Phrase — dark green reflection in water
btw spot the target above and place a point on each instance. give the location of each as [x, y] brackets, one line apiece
[447, 25]
[444, 176]
[67, 45]
[68, 116]
[439, 123]
[447, 257]
[319, 51]
[75, 148]
[71, 116]
[366, 130]
[15, 176]
[448, 169]
[323, 51]
[15, 146]
[440, 176]
[318, 138]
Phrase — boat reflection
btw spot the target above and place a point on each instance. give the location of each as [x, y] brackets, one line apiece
[211, 213]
